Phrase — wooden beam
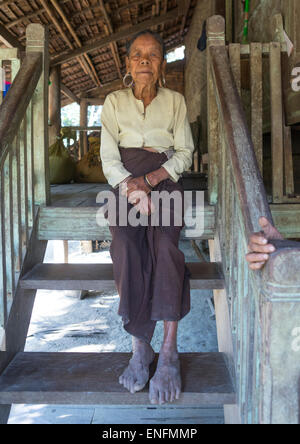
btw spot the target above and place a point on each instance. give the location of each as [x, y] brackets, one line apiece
[87, 61]
[121, 35]
[67, 92]
[130, 5]
[51, 14]
[41, 11]
[113, 46]
[185, 5]
[9, 39]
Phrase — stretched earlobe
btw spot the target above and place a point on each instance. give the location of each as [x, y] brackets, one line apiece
[125, 80]
[162, 81]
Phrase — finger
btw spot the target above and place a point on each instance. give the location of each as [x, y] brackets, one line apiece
[257, 265]
[258, 238]
[264, 223]
[253, 257]
[133, 200]
[264, 249]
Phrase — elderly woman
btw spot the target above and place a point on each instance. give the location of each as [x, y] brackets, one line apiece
[146, 145]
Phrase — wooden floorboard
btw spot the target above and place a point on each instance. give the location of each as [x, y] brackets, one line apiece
[92, 378]
[204, 276]
[76, 195]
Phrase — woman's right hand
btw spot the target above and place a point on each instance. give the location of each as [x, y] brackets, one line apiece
[259, 246]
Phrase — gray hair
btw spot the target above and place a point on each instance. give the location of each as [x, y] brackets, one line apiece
[156, 36]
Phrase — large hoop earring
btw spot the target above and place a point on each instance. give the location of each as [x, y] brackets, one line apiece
[127, 85]
[162, 82]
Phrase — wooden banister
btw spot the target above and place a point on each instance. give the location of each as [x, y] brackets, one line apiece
[24, 180]
[13, 108]
[258, 313]
[249, 182]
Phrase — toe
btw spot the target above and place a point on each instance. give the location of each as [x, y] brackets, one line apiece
[162, 397]
[172, 392]
[153, 395]
[126, 383]
[138, 386]
[177, 393]
[132, 384]
[167, 395]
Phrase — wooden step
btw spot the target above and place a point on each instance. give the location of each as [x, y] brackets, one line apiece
[204, 276]
[92, 378]
[80, 223]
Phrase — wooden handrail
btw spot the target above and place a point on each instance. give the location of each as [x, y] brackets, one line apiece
[247, 175]
[14, 106]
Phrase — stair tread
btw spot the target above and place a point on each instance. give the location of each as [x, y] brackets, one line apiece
[204, 275]
[64, 222]
[92, 378]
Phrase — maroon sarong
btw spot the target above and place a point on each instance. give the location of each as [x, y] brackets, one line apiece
[149, 269]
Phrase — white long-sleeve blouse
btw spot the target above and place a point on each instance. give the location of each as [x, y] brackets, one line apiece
[163, 125]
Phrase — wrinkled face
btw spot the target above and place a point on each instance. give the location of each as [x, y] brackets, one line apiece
[145, 62]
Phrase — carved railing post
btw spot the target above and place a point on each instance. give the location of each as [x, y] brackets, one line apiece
[280, 337]
[37, 41]
[215, 37]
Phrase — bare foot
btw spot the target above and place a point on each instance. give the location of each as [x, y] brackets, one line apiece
[136, 375]
[165, 386]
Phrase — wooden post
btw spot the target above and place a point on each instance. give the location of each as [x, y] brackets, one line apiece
[38, 41]
[54, 104]
[277, 32]
[215, 37]
[235, 62]
[83, 122]
[277, 121]
[280, 337]
[257, 101]
[229, 20]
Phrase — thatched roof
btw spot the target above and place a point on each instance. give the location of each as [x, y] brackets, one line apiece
[87, 37]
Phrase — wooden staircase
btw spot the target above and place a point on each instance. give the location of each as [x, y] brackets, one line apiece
[92, 378]
[255, 312]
